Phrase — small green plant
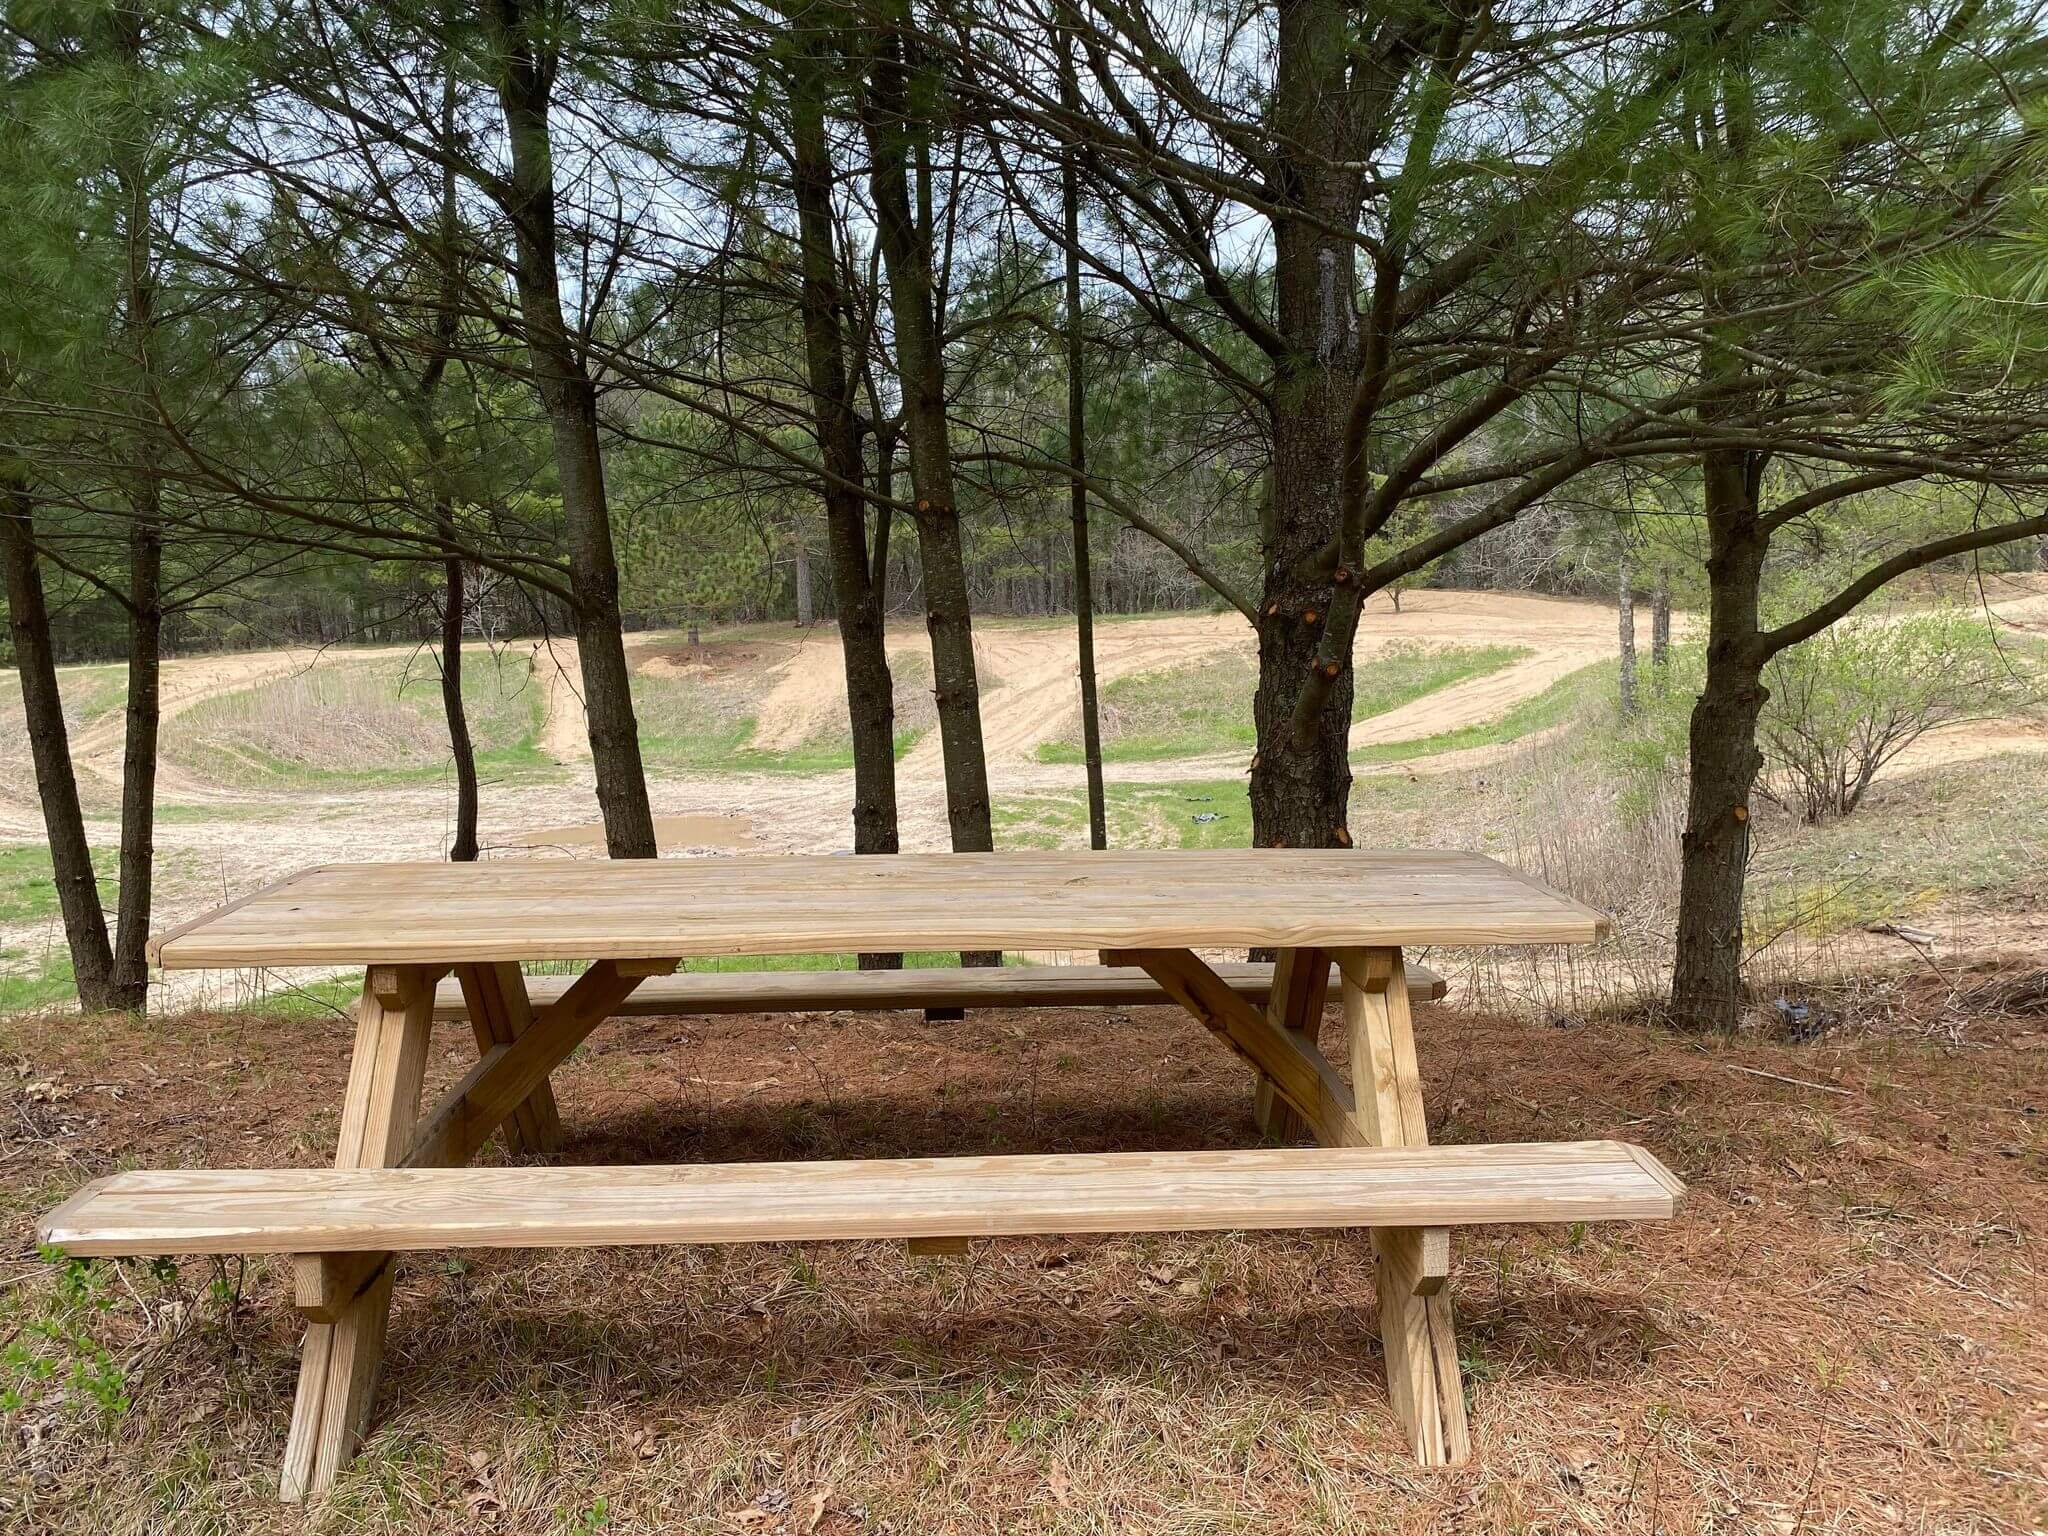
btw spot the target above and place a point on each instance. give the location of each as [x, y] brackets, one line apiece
[587, 1521]
[60, 1343]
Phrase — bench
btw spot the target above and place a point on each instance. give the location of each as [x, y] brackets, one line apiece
[933, 988]
[1339, 921]
[330, 1211]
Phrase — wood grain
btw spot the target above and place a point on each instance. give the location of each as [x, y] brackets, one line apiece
[302, 1211]
[632, 909]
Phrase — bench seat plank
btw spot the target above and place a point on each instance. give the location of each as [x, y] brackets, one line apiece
[348, 1210]
[1010, 986]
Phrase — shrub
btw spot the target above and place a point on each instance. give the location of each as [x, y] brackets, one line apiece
[1851, 699]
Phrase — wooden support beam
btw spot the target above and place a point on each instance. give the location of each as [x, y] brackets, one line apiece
[935, 1247]
[645, 968]
[1416, 1325]
[495, 997]
[339, 1361]
[324, 1284]
[1301, 985]
[468, 1113]
[1297, 1070]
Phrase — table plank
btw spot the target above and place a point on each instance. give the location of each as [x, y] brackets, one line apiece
[340, 1211]
[589, 909]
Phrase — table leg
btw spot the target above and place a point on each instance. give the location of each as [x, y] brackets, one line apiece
[1415, 1312]
[500, 1012]
[1301, 985]
[338, 1362]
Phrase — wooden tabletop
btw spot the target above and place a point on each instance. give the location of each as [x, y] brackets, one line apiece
[596, 909]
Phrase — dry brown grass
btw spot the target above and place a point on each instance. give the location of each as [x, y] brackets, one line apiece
[1840, 1333]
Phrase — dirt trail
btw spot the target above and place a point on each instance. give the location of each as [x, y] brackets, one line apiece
[1035, 694]
[1030, 697]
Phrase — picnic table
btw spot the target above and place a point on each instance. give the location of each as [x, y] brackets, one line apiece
[1339, 919]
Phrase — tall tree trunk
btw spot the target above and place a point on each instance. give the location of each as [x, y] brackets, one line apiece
[806, 604]
[28, 614]
[526, 70]
[1077, 491]
[139, 754]
[907, 256]
[856, 583]
[145, 597]
[1706, 982]
[453, 606]
[1660, 630]
[1300, 792]
[1625, 613]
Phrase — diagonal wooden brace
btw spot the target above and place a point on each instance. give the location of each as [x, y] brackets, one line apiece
[499, 1013]
[507, 1074]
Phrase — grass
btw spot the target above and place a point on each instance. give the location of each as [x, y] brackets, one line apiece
[48, 981]
[1192, 711]
[1202, 813]
[28, 885]
[703, 722]
[1964, 829]
[1566, 699]
[365, 723]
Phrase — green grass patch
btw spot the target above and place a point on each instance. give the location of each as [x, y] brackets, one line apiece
[1566, 699]
[1190, 711]
[704, 722]
[28, 882]
[47, 981]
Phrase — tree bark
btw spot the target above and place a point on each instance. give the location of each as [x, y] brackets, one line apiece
[907, 257]
[1706, 981]
[1077, 487]
[145, 596]
[525, 84]
[139, 754]
[453, 606]
[1300, 791]
[85, 923]
[856, 584]
[806, 604]
[1660, 629]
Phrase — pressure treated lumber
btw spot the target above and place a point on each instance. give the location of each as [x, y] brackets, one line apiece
[1416, 1325]
[339, 1359]
[499, 1007]
[1009, 986]
[311, 1211]
[630, 909]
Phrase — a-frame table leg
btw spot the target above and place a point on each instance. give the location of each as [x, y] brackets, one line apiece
[1415, 1311]
[500, 1012]
[339, 1361]
[1301, 985]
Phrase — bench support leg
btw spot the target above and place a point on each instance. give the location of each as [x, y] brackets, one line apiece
[1415, 1311]
[1301, 984]
[338, 1362]
[500, 1012]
